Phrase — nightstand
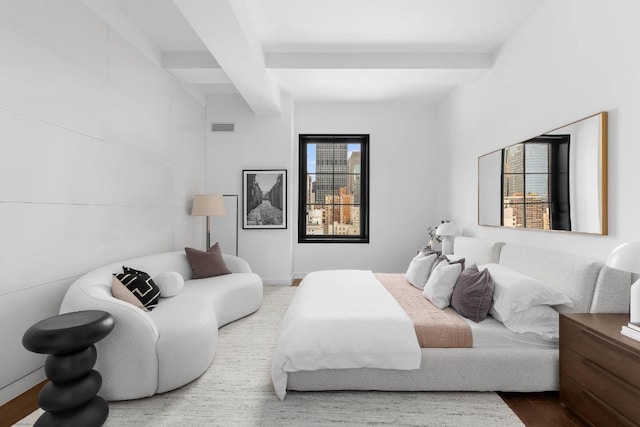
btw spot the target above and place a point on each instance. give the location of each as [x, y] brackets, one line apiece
[599, 369]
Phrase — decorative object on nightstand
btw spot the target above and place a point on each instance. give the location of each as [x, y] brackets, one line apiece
[208, 205]
[448, 231]
[70, 397]
[599, 369]
[626, 257]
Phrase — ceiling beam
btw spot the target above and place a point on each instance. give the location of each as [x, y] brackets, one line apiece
[387, 61]
[225, 29]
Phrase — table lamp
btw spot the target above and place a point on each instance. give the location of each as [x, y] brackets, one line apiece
[448, 231]
[208, 205]
[626, 257]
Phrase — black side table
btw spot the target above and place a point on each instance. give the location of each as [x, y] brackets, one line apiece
[70, 398]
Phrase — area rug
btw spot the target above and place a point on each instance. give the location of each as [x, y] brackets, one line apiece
[237, 391]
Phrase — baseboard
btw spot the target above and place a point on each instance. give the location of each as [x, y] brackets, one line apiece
[21, 406]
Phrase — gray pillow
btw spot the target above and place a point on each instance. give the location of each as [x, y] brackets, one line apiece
[206, 264]
[473, 293]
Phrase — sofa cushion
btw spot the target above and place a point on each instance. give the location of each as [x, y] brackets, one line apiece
[142, 287]
[121, 292]
[206, 264]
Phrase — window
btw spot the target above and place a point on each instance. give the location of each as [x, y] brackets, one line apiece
[333, 189]
[535, 184]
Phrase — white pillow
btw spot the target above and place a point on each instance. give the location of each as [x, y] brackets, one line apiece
[440, 285]
[539, 319]
[170, 283]
[419, 268]
[516, 292]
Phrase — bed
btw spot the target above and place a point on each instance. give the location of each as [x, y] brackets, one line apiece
[496, 360]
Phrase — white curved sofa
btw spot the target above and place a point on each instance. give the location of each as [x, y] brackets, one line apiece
[170, 346]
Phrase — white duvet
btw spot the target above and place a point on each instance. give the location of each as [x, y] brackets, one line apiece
[343, 319]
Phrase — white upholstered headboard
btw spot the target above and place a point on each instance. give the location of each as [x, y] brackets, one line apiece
[593, 287]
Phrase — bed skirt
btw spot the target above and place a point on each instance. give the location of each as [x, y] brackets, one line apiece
[447, 369]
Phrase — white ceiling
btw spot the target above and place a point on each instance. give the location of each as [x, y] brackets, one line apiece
[321, 50]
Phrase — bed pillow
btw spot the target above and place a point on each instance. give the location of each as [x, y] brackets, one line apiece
[206, 264]
[170, 283]
[419, 269]
[539, 319]
[120, 291]
[450, 259]
[515, 292]
[473, 293]
[439, 286]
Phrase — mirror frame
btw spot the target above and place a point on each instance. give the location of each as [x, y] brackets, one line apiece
[603, 176]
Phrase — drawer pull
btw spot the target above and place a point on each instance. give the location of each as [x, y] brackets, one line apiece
[602, 371]
[598, 338]
[619, 417]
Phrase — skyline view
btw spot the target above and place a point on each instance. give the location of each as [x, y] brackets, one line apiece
[333, 189]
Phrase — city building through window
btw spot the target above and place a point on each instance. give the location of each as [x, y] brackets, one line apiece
[535, 184]
[334, 189]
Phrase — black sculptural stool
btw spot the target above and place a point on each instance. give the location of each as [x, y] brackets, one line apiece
[70, 398]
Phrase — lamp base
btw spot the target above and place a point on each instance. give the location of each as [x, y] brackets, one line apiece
[447, 245]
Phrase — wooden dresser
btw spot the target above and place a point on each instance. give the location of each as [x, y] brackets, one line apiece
[599, 369]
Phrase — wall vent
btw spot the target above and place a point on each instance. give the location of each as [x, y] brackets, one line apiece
[223, 127]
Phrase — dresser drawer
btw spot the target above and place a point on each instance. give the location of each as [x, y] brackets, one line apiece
[617, 393]
[606, 353]
[590, 407]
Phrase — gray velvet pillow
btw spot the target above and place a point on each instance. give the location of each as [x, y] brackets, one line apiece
[206, 264]
[473, 293]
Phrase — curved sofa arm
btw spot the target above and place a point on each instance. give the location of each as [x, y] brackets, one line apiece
[127, 357]
[236, 264]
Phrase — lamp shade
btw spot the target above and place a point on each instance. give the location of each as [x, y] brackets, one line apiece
[447, 229]
[626, 257]
[208, 205]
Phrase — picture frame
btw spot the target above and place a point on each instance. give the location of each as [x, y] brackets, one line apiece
[264, 199]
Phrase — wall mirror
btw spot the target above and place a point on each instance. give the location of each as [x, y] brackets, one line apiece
[556, 181]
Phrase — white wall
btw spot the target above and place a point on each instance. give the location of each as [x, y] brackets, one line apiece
[259, 142]
[573, 58]
[100, 153]
[405, 177]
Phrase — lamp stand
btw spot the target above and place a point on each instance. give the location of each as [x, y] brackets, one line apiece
[208, 233]
[447, 245]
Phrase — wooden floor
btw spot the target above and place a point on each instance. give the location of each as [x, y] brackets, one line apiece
[541, 410]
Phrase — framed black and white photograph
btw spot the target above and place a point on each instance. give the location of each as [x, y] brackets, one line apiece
[264, 203]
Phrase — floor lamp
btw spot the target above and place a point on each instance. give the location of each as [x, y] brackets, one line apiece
[208, 205]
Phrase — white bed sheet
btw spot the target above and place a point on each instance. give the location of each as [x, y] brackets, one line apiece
[341, 319]
[491, 333]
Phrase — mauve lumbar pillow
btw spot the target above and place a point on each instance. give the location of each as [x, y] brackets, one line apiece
[473, 293]
[206, 264]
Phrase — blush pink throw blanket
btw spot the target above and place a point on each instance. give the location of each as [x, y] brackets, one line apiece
[435, 328]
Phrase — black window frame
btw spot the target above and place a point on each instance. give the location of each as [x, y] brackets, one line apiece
[303, 141]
